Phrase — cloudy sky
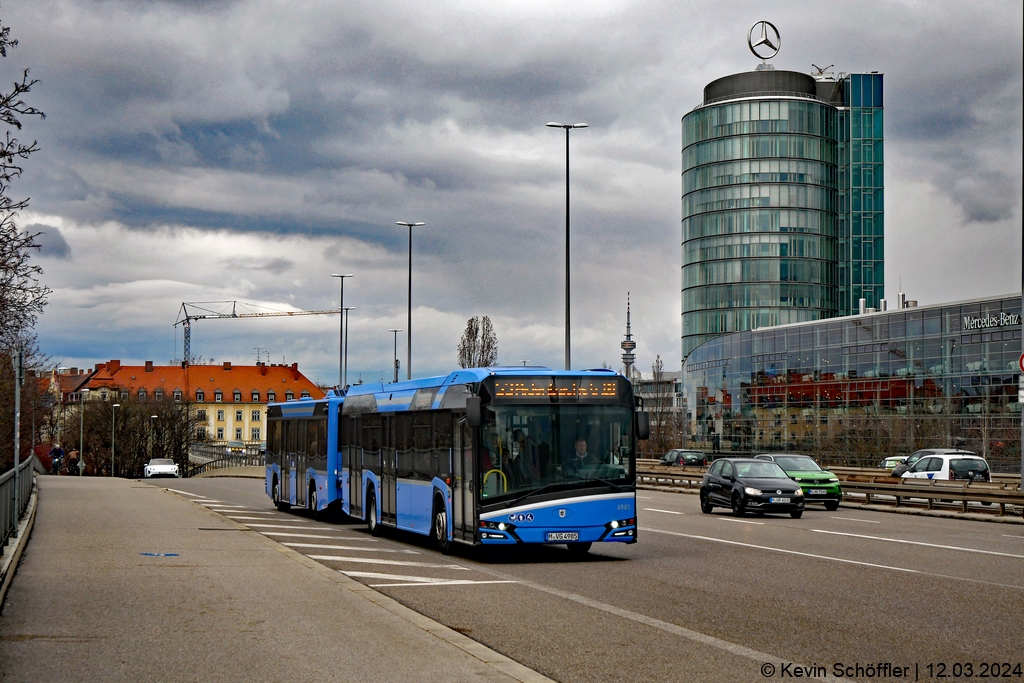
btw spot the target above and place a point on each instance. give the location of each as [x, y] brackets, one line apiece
[200, 151]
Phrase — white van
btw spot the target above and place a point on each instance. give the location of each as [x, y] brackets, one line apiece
[962, 465]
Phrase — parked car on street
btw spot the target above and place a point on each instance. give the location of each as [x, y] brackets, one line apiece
[819, 486]
[235, 447]
[899, 470]
[950, 464]
[160, 467]
[891, 462]
[750, 485]
[678, 456]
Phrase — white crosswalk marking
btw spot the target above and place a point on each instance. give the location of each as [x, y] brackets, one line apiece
[248, 512]
[347, 547]
[396, 563]
[414, 580]
[333, 538]
[240, 517]
[282, 526]
[186, 493]
[217, 504]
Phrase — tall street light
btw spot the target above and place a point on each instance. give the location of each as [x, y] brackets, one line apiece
[113, 412]
[345, 310]
[567, 127]
[408, 325]
[341, 332]
[396, 351]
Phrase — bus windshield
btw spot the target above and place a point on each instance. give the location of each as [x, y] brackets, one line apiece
[526, 447]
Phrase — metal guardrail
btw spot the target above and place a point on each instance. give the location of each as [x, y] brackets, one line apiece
[854, 481]
[9, 517]
[228, 461]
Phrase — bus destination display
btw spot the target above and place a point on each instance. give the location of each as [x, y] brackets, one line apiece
[576, 388]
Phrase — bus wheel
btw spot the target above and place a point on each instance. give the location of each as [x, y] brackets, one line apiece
[312, 501]
[440, 529]
[579, 548]
[372, 523]
[282, 506]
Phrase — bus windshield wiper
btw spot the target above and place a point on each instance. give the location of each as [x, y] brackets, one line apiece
[616, 487]
[575, 480]
[532, 493]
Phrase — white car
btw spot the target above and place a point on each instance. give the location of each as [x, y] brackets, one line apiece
[160, 467]
[951, 465]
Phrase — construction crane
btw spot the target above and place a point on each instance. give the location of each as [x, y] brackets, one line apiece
[196, 310]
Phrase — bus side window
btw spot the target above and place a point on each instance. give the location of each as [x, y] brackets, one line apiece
[343, 438]
[440, 456]
[403, 443]
[422, 442]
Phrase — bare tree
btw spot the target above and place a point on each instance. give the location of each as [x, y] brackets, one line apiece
[478, 347]
[22, 297]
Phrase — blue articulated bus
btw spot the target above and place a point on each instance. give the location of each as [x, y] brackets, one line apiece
[485, 456]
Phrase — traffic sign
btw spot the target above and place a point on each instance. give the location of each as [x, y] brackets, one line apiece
[1020, 362]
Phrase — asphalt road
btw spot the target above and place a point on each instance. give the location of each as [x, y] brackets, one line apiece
[700, 597]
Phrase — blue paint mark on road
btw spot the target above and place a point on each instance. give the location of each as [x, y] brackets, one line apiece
[159, 554]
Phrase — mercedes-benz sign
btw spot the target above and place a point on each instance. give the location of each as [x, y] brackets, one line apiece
[764, 36]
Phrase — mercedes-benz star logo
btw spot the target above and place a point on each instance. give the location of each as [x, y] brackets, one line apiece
[767, 38]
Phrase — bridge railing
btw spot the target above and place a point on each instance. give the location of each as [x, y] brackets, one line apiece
[9, 517]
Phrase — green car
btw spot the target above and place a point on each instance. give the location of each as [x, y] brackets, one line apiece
[819, 486]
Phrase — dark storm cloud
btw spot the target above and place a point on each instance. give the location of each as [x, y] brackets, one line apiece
[50, 240]
[335, 120]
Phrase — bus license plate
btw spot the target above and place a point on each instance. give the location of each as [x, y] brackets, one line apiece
[564, 536]
[779, 500]
[817, 492]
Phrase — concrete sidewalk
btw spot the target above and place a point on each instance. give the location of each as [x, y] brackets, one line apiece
[88, 603]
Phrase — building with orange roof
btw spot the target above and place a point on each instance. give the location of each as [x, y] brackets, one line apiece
[229, 400]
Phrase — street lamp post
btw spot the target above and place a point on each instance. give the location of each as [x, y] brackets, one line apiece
[152, 435]
[345, 310]
[567, 127]
[341, 332]
[113, 412]
[396, 351]
[408, 324]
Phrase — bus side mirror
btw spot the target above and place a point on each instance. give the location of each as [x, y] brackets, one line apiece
[643, 425]
[474, 412]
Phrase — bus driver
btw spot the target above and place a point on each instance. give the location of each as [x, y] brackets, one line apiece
[581, 459]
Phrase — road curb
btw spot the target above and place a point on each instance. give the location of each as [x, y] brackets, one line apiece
[11, 559]
[505, 665]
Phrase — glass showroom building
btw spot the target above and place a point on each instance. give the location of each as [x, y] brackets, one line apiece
[872, 385]
[782, 201]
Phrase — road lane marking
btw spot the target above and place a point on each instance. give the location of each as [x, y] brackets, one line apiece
[324, 546]
[241, 517]
[668, 627]
[643, 498]
[851, 519]
[414, 580]
[217, 504]
[451, 582]
[333, 538]
[248, 512]
[282, 526]
[927, 545]
[667, 512]
[394, 563]
[827, 558]
[186, 493]
[741, 521]
[1012, 536]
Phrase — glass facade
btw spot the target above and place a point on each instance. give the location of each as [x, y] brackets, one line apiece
[853, 390]
[781, 202]
[861, 193]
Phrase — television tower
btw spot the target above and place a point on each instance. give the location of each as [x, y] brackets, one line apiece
[628, 345]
